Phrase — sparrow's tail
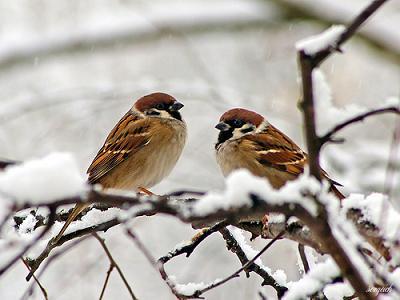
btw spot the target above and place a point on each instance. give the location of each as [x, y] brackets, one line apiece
[338, 194]
[72, 216]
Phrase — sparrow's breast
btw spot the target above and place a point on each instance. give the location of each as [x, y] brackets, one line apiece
[154, 161]
[229, 158]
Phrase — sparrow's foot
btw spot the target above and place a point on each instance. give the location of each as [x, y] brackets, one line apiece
[265, 228]
[145, 191]
[200, 234]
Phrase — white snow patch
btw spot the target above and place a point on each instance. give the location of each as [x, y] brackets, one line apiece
[279, 275]
[392, 101]
[337, 291]
[55, 176]
[313, 281]
[276, 218]
[329, 115]
[28, 224]
[377, 209]
[93, 217]
[241, 183]
[316, 43]
[191, 287]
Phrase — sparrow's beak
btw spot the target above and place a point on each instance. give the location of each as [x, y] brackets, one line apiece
[222, 126]
[176, 106]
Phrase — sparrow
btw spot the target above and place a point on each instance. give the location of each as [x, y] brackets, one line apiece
[141, 149]
[247, 140]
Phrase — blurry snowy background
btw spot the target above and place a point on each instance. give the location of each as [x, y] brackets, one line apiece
[70, 69]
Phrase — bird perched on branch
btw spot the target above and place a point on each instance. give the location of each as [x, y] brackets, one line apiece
[247, 140]
[140, 150]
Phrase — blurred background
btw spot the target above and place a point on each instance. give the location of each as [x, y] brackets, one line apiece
[70, 69]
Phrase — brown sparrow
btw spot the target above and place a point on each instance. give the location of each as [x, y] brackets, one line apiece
[140, 150]
[247, 140]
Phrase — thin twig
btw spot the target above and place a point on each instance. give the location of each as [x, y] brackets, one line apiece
[111, 267]
[328, 136]
[42, 289]
[322, 229]
[351, 29]
[6, 162]
[114, 264]
[52, 259]
[233, 245]
[303, 257]
[195, 241]
[158, 266]
[198, 293]
[31, 244]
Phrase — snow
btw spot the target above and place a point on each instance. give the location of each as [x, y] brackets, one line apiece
[328, 115]
[313, 281]
[338, 291]
[312, 258]
[93, 217]
[279, 275]
[276, 218]
[347, 235]
[53, 177]
[42, 114]
[312, 45]
[241, 183]
[28, 224]
[377, 209]
[392, 101]
[191, 287]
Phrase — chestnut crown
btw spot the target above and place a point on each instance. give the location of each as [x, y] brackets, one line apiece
[159, 105]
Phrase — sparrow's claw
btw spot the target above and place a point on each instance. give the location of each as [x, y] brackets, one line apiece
[265, 229]
[145, 191]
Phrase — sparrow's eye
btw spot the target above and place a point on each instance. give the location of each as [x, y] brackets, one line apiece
[160, 106]
[238, 123]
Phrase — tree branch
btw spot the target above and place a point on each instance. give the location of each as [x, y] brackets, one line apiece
[113, 264]
[328, 136]
[351, 29]
[321, 227]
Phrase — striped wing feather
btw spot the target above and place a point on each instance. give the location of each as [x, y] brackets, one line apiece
[125, 139]
[278, 151]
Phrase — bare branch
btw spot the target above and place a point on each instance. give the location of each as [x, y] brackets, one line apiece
[31, 244]
[323, 232]
[188, 248]
[303, 257]
[328, 136]
[233, 245]
[245, 267]
[158, 266]
[110, 268]
[53, 258]
[6, 162]
[351, 29]
[112, 265]
[30, 291]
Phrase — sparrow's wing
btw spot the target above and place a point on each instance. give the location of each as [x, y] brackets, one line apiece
[275, 150]
[126, 138]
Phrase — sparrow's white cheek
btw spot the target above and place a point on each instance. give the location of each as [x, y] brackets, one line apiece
[245, 129]
[165, 114]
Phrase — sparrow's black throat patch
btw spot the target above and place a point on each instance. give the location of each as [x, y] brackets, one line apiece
[224, 136]
[175, 114]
